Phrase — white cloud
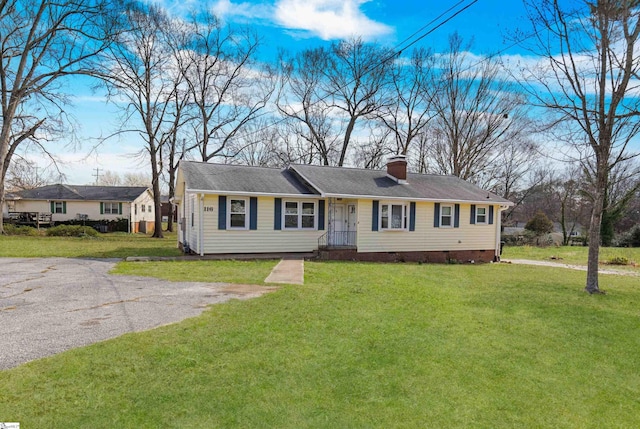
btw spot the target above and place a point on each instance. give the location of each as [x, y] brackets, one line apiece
[328, 19]
[244, 11]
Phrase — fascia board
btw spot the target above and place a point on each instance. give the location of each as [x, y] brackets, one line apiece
[251, 194]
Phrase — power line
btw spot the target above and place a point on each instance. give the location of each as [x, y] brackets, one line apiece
[396, 51]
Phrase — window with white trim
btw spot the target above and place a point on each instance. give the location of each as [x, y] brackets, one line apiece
[299, 215]
[393, 217]
[58, 207]
[110, 208]
[142, 207]
[446, 216]
[481, 215]
[237, 213]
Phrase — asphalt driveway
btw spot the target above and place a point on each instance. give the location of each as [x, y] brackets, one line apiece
[49, 305]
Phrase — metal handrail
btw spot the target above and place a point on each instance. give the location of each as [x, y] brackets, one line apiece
[334, 239]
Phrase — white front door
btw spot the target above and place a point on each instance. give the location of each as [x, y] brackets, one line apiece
[339, 226]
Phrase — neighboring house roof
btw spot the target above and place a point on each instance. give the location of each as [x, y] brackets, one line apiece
[202, 176]
[83, 193]
[330, 182]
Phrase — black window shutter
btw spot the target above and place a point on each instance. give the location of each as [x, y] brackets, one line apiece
[101, 208]
[490, 215]
[321, 215]
[64, 207]
[222, 212]
[436, 216]
[277, 214]
[374, 215]
[456, 221]
[412, 216]
[473, 214]
[119, 208]
[253, 213]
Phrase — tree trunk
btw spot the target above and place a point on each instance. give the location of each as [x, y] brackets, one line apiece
[172, 192]
[594, 231]
[155, 182]
[1, 202]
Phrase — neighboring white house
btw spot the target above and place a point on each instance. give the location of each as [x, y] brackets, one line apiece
[344, 213]
[68, 202]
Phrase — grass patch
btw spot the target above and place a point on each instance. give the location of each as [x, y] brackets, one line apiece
[112, 245]
[569, 254]
[248, 272]
[362, 345]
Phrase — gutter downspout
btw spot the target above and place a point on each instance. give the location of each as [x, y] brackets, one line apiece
[498, 231]
[201, 226]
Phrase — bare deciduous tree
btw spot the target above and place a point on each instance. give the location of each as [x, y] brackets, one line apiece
[42, 43]
[24, 174]
[414, 89]
[227, 86]
[304, 104]
[357, 83]
[588, 81]
[141, 70]
[109, 178]
[477, 113]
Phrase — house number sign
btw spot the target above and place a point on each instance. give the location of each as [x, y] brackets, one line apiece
[208, 209]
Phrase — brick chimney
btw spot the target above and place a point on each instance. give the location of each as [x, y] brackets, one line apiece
[397, 168]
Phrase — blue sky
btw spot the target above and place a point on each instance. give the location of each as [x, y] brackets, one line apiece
[295, 25]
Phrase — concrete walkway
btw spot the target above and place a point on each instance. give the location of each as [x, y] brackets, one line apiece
[289, 270]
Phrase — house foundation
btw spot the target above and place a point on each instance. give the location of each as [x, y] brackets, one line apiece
[439, 257]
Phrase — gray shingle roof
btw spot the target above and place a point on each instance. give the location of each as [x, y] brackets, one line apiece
[336, 181]
[84, 193]
[242, 179]
[329, 181]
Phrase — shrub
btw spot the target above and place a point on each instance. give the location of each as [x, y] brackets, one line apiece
[617, 260]
[11, 229]
[114, 225]
[72, 231]
[539, 224]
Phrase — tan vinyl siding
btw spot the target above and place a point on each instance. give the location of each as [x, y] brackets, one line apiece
[74, 208]
[426, 237]
[263, 240]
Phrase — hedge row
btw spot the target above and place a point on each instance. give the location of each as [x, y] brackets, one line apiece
[120, 225]
[71, 231]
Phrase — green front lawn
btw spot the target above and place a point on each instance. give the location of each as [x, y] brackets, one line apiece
[362, 345]
[247, 272]
[112, 245]
[569, 254]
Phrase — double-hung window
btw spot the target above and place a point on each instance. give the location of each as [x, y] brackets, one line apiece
[299, 215]
[58, 207]
[237, 213]
[446, 216]
[111, 208]
[481, 215]
[393, 216]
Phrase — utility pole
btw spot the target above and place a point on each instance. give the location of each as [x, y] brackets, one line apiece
[97, 175]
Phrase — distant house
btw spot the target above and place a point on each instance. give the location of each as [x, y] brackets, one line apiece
[69, 202]
[341, 213]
